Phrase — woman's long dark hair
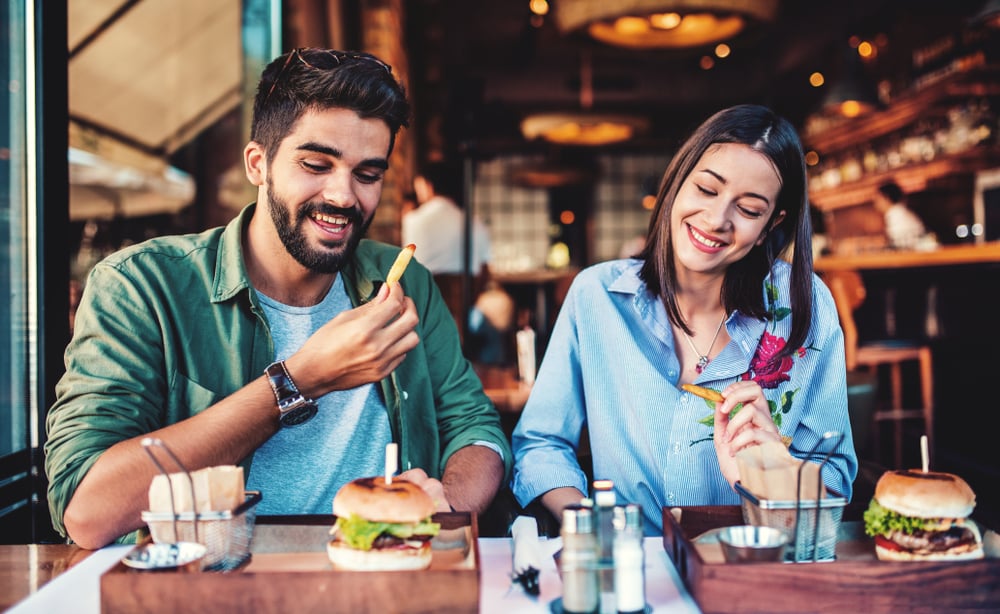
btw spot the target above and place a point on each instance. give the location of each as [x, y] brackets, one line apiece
[742, 288]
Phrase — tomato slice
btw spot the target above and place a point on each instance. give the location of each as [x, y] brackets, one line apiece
[887, 544]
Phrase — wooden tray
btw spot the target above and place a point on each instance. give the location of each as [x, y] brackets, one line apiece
[289, 571]
[855, 582]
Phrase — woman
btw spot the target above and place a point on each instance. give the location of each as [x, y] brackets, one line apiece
[707, 301]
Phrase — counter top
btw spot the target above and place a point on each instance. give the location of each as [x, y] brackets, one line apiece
[946, 255]
[57, 578]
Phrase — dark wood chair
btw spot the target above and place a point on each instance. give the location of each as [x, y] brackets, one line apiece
[849, 293]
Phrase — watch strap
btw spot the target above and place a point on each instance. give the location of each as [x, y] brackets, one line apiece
[293, 407]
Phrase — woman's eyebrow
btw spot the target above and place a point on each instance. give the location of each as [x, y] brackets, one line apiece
[723, 181]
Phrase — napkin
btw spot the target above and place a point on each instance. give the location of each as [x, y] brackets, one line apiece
[527, 553]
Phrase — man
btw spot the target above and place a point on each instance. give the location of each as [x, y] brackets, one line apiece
[200, 339]
[903, 228]
[437, 225]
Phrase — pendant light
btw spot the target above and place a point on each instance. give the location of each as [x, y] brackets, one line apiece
[853, 94]
[583, 127]
[665, 24]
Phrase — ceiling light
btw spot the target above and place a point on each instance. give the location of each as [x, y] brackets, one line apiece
[583, 127]
[662, 23]
[852, 94]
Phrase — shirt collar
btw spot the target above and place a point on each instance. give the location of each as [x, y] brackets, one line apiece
[745, 331]
[230, 271]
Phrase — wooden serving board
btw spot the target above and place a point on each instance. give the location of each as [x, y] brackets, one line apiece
[855, 582]
[289, 572]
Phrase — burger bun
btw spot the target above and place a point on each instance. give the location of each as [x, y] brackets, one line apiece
[886, 554]
[400, 501]
[925, 494]
[396, 559]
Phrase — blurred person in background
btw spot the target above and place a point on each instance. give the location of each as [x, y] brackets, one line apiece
[903, 228]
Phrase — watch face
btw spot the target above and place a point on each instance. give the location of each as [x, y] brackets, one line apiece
[300, 414]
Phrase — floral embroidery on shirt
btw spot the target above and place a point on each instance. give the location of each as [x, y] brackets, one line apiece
[766, 367]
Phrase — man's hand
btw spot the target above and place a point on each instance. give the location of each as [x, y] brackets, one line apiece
[359, 346]
[431, 486]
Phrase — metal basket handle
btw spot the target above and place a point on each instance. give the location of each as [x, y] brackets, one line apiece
[819, 490]
[148, 443]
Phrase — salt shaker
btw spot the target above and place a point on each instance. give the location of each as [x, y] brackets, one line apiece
[578, 561]
[629, 560]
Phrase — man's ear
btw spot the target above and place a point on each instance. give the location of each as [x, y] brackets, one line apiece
[255, 163]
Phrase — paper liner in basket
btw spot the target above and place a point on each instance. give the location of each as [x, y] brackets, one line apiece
[216, 489]
[770, 472]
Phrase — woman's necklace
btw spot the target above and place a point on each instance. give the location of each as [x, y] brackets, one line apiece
[703, 358]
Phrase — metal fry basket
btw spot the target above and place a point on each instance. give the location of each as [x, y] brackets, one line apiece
[226, 534]
[811, 525]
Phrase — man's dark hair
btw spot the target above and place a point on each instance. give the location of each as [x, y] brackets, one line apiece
[445, 177]
[322, 79]
[892, 191]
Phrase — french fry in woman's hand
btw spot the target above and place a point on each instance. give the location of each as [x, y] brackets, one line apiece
[705, 393]
[399, 265]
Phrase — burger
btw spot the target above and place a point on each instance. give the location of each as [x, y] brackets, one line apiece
[923, 516]
[382, 526]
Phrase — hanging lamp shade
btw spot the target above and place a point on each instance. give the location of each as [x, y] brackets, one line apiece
[583, 127]
[646, 24]
[852, 95]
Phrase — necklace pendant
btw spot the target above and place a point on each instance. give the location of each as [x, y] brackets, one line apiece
[702, 361]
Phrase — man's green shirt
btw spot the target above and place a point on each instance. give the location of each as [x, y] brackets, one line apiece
[171, 326]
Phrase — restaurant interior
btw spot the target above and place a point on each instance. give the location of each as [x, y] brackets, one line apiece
[557, 113]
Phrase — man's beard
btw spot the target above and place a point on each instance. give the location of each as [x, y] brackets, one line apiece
[294, 240]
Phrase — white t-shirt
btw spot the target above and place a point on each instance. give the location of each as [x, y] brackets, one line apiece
[300, 468]
[437, 228]
[902, 226]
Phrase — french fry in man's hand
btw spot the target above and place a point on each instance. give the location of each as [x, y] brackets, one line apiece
[399, 265]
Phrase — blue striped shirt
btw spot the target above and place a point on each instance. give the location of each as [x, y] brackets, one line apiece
[611, 367]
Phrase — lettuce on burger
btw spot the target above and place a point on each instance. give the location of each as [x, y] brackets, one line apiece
[923, 516]
[382, 527]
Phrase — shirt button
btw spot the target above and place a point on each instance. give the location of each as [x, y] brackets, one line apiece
[671, 497]
[671, 373]
[406, 395]
[677, 447]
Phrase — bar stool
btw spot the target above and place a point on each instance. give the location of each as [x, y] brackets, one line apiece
[848, 292]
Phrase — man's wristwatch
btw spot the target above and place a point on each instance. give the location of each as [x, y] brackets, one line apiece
[295, 408]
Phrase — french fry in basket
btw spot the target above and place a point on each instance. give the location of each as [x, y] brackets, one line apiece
[705, 393]
[399, 265]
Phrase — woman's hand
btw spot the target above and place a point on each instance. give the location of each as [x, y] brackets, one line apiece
[750, 425]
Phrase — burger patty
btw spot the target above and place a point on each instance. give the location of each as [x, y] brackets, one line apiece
[386, 541]
[935, 541]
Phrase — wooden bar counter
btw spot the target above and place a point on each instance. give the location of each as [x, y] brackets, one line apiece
[986, 253]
